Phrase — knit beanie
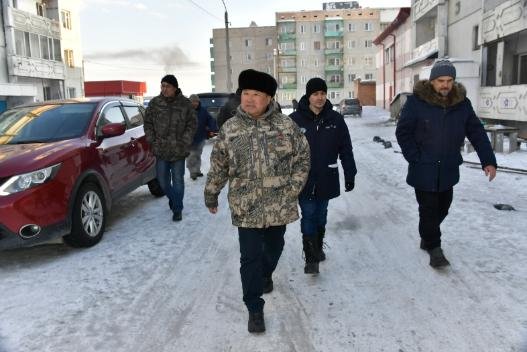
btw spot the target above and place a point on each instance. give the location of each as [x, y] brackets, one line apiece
[260, 81]
[170, 79]
[442, 68]
[314, 85]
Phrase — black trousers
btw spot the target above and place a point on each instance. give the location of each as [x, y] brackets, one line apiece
[260, 250]
[433, 209]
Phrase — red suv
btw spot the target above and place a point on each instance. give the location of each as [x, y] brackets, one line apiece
[63, 163]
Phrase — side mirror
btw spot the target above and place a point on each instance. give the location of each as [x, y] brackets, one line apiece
[113, 130]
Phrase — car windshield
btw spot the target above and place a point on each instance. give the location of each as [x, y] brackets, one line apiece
[351, 102]
[213, 103]
[44, 123]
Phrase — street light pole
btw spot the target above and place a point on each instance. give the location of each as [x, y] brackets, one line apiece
[228, 49]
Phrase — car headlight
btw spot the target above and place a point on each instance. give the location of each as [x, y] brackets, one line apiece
[22, 182]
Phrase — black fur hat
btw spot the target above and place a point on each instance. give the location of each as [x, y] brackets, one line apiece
[260, 81]
[170, 79]
[314, 85]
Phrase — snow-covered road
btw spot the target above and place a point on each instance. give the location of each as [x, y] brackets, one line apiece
[155, 285]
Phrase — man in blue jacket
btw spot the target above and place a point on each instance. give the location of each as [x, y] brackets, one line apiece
[206, 124]
[432, 128]
[329, 139]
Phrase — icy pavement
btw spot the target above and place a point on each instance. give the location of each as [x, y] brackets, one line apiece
[155, 285]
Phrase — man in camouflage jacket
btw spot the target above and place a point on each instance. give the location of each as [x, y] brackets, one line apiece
[170, 125]
[265, 158]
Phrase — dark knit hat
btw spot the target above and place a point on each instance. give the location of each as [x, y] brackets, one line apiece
[170, 79]
[260, 81]
[442, 68]
[314, 85]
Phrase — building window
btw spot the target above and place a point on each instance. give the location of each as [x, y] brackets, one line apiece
[68, 58]
[334, 61]
[351, 27]
[302, 63]
[56, 50]
[352, 44]
[316, 62]
[248, 57]
[268, 41]
[316, 45]
[268, 56]
[368, 60]
[47, 93]
[475, 37]
[40, 9]
[522, 69]
[22, 47]
[302, 46]
[72, 92]
[351, 77]
[334, 78]
[66, 19]
[303, 79]
[248, 43]
[352, 61]
[316, 28]
[368, 43]
[368, 26]
[302, 28]
[368, 76]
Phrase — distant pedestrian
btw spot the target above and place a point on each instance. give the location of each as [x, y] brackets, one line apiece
[294, 102]
[329, 140]
[433, 125]
[170, 125]
[206, 124]
[265, 158]
[228, 110]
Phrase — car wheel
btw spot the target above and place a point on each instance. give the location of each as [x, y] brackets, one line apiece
[155, 188]
[88, 218]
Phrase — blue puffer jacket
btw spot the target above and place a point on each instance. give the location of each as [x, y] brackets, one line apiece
[205, 123]
[329, 139]
[431, 132]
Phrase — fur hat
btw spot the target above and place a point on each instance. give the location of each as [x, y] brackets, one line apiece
[260, 81]
[314, 85]
[170, 79]
[442, 68]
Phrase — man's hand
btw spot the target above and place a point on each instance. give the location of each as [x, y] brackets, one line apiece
[213, 210]
[490, 171]
[349, 185]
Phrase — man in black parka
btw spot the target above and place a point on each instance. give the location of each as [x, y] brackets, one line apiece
[329, 139]
[432, 128]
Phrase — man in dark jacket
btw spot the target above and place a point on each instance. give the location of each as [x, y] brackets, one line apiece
[170, 124]
[433, 125]
[228, 110]
[329, 139]
[206, 124]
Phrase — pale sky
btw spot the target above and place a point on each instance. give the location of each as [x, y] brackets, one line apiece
[142, 40]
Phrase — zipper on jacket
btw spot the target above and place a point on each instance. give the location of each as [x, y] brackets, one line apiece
[443, 121]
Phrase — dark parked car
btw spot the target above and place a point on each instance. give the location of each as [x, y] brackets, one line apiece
[63, 163]
[350, 107]
[213, 101]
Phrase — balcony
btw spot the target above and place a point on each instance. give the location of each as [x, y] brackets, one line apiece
[335, 84]
[427, 50]
[36, 68]
[288, 52]
[334, 69]
[422, 7]
[28, 22]
[333, 34]
[334, 51]
[503, 103]
[505, 19]
[286, 37]
[287, 69]
[288, 86]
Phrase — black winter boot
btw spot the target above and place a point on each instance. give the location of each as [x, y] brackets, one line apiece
[320, 239]
[311, 253]
[267, 284]
[437, 258]
[256, 322]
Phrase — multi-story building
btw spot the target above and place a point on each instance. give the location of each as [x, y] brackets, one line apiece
[504, 62]
[40, 51]
[336, 45]
[250, 47]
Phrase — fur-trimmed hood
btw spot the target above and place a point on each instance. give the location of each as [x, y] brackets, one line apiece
[425, 91]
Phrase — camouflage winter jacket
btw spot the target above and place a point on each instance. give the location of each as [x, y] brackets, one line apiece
[170, 125]
[266, 162]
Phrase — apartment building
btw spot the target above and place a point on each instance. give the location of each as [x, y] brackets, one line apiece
[335, 45]
[250, 47]
[40, 51]
[504, 62]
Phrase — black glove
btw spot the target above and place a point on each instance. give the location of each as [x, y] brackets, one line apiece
[349, 185]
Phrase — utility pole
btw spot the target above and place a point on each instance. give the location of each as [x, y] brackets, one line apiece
[227, 49]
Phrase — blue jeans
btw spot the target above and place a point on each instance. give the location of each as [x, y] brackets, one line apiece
[314, 216]
[260, 250]
[170, 176]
